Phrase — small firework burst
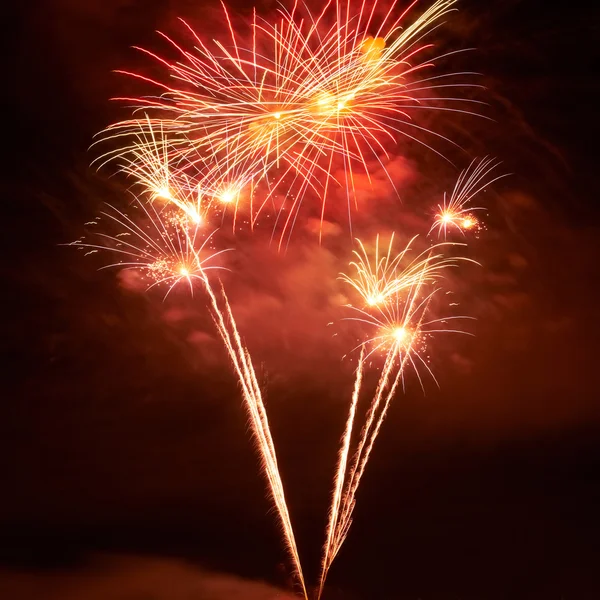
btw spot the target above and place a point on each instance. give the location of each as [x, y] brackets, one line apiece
[455, 213]
[166, 247]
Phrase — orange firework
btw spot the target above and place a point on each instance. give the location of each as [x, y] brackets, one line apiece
[455, 212]
[168, 248]
[302, 91]
[400, 327]
[165, 251]
[147, 161]
[263, 118]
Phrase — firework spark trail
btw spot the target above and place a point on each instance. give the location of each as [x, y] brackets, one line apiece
[151, 170]
[147, 162]
[166, 247]
[374, 421]
[375, 280]
[362, 455]
[332, 545]
[376, 416]
[343, 503]
[242, 363]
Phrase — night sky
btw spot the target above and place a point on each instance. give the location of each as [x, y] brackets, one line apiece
[127, 467]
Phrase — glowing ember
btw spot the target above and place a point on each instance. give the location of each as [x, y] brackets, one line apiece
[164, 193]
[400, 334]
[227, 196]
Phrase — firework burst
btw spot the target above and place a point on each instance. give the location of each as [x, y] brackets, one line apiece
[384, 275]
[166, 247]
[294, 98]
[455, 212]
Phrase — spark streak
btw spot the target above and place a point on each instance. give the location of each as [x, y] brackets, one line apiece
[378, 278]
[333, 542]
[242, 363]
[165, 247]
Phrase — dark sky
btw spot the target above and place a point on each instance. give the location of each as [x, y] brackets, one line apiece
[124, 450]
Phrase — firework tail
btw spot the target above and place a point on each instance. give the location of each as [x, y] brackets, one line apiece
[242, 363]
[330, 545]
[343, 505]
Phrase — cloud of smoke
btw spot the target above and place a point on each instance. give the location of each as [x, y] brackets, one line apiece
[134, 578]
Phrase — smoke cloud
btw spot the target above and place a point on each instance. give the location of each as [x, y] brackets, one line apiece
[134, 578]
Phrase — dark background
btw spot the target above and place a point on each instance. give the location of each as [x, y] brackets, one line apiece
[122, 431]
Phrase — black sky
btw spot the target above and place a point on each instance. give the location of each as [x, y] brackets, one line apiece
[121, 427]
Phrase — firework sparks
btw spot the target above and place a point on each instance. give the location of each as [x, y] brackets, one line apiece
[147, 163]
[400, 329]
[166, 247]
[333, 540]
[307, 89]
[455, 213]
[377, 278]
[242, 363]
[165, 251]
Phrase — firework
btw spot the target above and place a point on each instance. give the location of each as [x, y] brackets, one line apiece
[400, 327]
[334, 538]
[147, 162]
[292, 98]
[455, 212]
[166, 248]
[379, 277]
[281, 111]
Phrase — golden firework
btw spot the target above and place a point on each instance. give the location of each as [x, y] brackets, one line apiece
[398, 326]
[455, 213]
